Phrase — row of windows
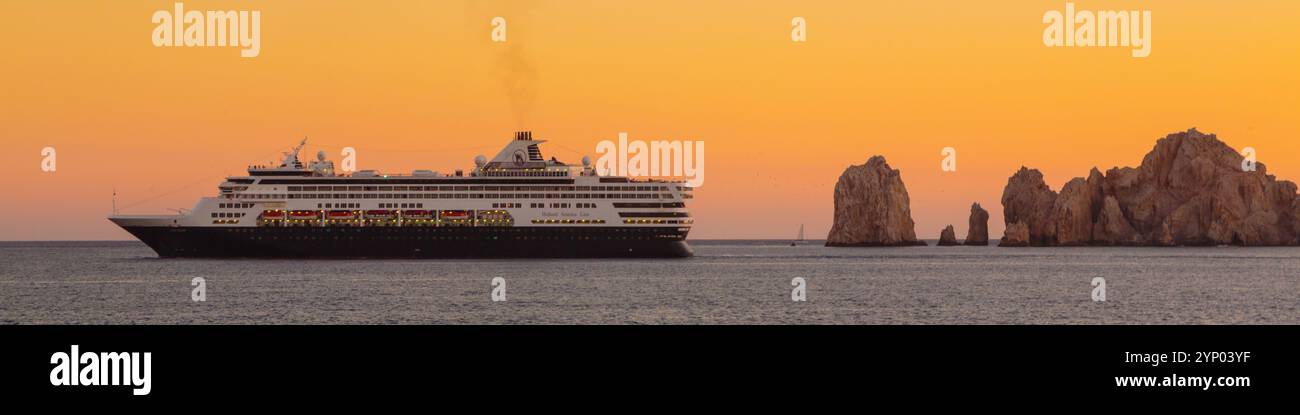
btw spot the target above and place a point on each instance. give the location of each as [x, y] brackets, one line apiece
[528, 173]
[508, 205]
[650, 205]
[658, 221]
[383, 222]
[480, 234]
[476, 188]
[358, 205]
[235, 205]
[569, 221]
[456, 196]
[467, 238]
[563, 205]
[228, 215]
[654, 214]
[339, 205]
[399, 205]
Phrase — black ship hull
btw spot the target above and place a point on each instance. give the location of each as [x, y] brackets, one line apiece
[415, 242]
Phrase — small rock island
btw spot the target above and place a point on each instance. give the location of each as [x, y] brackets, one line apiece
[872, 208]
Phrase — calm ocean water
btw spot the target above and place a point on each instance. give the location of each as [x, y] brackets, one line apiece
[728, 282]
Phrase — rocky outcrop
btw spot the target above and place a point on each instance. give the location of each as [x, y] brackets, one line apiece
[872, 208]
[1071, 215]
[1027, 199]
[1295, 207]
[948, 237]
[1017, 235]
[1111, 227]
[1191, 189]
[978, 232]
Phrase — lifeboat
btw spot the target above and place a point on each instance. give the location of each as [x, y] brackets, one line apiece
[379, 214]
[273, 214]
[454, 214]
[417, 214]
[304, 215]
[341, 214]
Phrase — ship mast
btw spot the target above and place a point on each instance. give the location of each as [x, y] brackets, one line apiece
[291, 156]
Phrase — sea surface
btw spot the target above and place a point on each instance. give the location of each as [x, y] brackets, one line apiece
[727, 282]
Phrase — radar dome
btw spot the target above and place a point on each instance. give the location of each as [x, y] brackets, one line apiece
[586, 161]
[480, 160]
[320, 155]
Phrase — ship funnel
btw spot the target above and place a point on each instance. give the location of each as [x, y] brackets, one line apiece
[524, 135]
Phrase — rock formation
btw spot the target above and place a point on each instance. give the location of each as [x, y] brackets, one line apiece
[978, 232]
[1111, 227]
[1017, 234]
[872, 208]
[948, 237]
[1027, 199]
[1071, 215]
[1296, 214]
[1191, 189]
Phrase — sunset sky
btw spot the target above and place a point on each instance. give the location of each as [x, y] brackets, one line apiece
[420, 85]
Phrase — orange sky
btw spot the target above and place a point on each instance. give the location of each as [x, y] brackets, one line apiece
[419, 84]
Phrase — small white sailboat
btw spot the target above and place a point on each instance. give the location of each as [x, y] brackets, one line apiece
[799, 240]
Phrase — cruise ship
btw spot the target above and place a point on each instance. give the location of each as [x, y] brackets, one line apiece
[519, 204]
